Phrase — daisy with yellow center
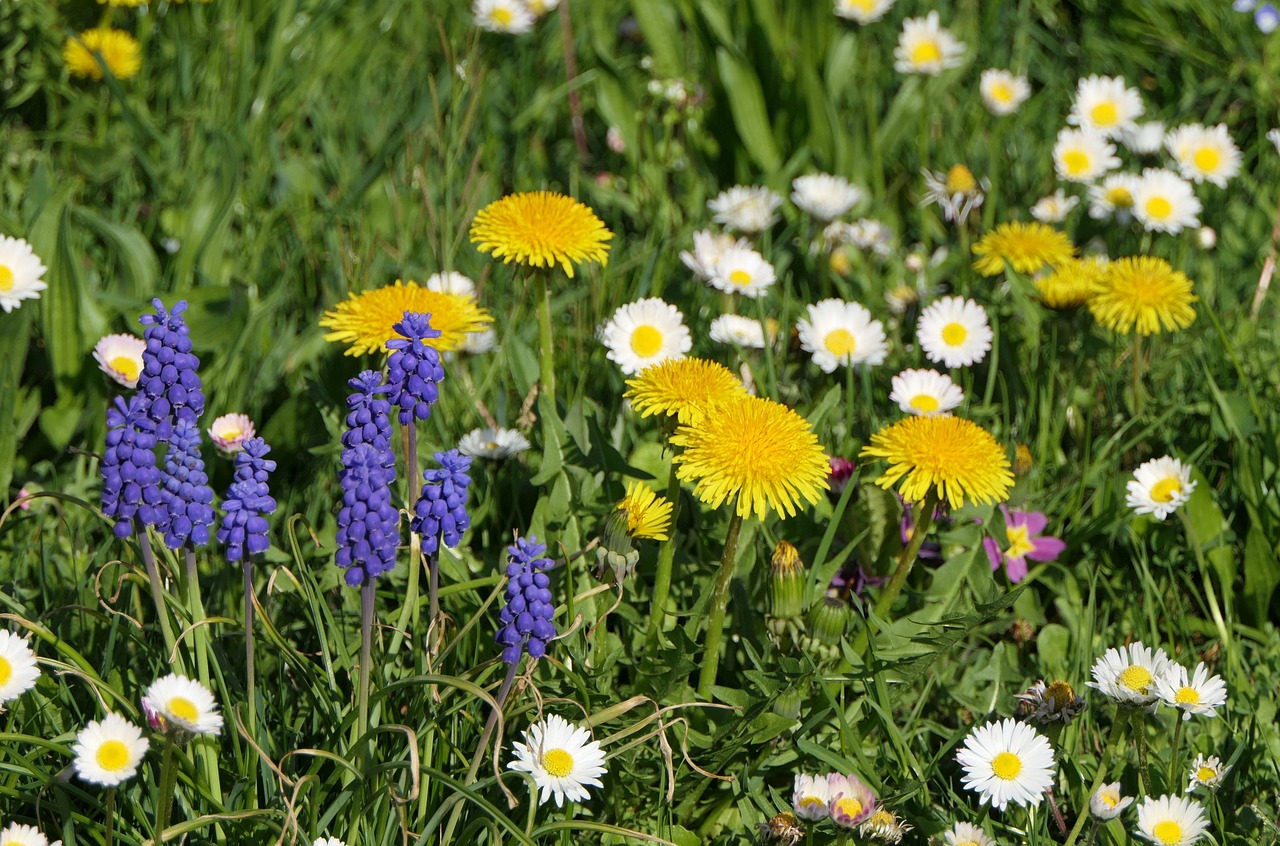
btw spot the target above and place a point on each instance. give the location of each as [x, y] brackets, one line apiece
[509, 17]
[953, 458]
[925, 392]
[1143, 294]
[1165, 202]
[838, 334]
[562, 758]
[120, 357]
[1159, 487]
[809, 797]
[742, 270]
[955, 332]
[230, 431]
[1205, 154]
[541, 229]
[1128, 674]
[1003, 92]
[863, 11]
[17, 834]
[967, 834]
[1106, 105]
[18, 669]
[1197, 693]
[183, 704]
[884, 826]
[924, 47]
[1073, 283]
[364, 322]
[1171, 820]
[109, 750]
[118, 49]
[1083, 155]
[20, 272]
[645, 333]
[1207, 771]
[1113, 196]
[648, 515]
[850, 802]
[1007, 762]
[1026, 247]
[1106, 803]
[682, 388]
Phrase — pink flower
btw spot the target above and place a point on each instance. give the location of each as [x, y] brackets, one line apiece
[1022, 532]
[850, 800]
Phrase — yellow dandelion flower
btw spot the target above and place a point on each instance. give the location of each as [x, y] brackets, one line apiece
[119, 51]
[1143, 292]
[1072, 284]
[685, 388]
[755, 449]
[956, 456]
[541, 229]
[365, 320]
[1027, 247]
[648, 515]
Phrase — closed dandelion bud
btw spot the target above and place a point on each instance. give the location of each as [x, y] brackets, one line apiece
[786, 592]
[615, 554]
[828, 619]
[1022, 462]
[787, 704]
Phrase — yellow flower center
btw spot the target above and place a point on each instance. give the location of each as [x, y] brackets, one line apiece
[881, 819]
[232, 434]
[127, 366]
[1166, 489]
[557, 762]
[924, 403]
[1104, 114]
[811, 802]
[840, 342]
[491, 445]
[954, 334]
[1019, 541]
[1075, 161]
[864, 6]
[1059, 695]
[925, 53]
[1006, 766]
[1111, 799]
[503, 16]
[1167, 832]
[646, 341]
[1159, 208]
[1187, 696]
[1136, 678]
[967, 843]
[1207, 159]
[1001, 92]
[113, 756]
[6, 278]
[1120, 197]
[1206, 773]
[184, 709]
[740, 277]
[960, 180]
[6, 670]
[850, 806]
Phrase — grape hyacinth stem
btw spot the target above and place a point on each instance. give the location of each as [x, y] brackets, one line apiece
[366, 662]
[719, 607]
[249, 675]
[157, 588]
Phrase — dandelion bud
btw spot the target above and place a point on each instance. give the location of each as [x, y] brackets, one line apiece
[1022, 462]
[828, 619]
[786, 587]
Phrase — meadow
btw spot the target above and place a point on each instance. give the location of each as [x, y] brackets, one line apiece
[674, 421]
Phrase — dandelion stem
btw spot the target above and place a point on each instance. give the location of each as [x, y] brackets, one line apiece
[157, 589]
[546, 358]
[922, 516]
[1117, 733]
[666, 559]
[1137, 374]
[719, 605]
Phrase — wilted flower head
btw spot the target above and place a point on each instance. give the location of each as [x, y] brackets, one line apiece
[1056, 702]
[748, 209]
[1207, 771]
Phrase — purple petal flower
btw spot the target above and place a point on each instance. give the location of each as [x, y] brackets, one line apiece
[1022, 534]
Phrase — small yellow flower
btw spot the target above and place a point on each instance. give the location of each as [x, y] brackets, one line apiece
[1072, 283]
[684, 388]
[118, 49]
[648, 515]
[1145, 293]
[541, 229]
[1027, 247]
[365, 320]
[957, 457]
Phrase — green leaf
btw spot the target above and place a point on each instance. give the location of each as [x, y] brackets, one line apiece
[1261, 574]
[746, 103]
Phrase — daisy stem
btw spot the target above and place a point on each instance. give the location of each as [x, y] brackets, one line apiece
[666, 558]
[1117, 733]
[546, 359]
[366, 661]
[1137, 373]
[719, 605]
[1093, 832]
[1173, 756]
[1140, 740]
[921, 517]
[168, 778]
[111, 816]
[157, 589]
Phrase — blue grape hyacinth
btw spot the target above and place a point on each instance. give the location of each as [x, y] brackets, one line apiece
[368, 417]
[441, 511]
[413, 369]
[130, 478]
[368, 531]
[170, 380]
[526, 621]
[248, 502]
[187, 495]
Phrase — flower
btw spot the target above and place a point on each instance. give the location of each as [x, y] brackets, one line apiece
[187, 496]
[451, 282]
[1104, 104]
[684, 388]
[1145, 139]
[1026, 247]
[737, 330]
[1143, 293]
[645, 333]
[367, 321]
[18, 669]
[1266, 18]
[1171, 820]
[1273, 135]
[130, 478]
[885, 826]
[16, 834]
[541, 229]
[925, 47]
[1054, 208]
[562, 758]
[954, 457]
[823, 196]
[248, 503]
[1128, 674]
[368, 414]
[1083, 155]
[1051, 703]
[183, 703]
[230, 431]
[966, 834]
[786, 587]
[957, 192]
[1022, 532]
[809, 797]
[1073, 283]
[368, 524]
[849, 801]
[925, 392]
[20, 272]
[865, 234]
[781, 829]
[839, 333]
[526, 622]
[1207, 772]
[118, 356]
[1007, 762]
[1106, 803]
[328, 841]
[1165, 202]
[170, 379]
[492, 443]
[954, 332]
[1206, 238]
[441, 510]
[648, 515]
[511, 17]
[863, 11]
[1002, 91]
[756, 450]
[1113, 195]
[109, 750]
[1204, 154]
[748, 209]
[476, 343]
[708, 247]
[118, 50]
[413, 368]
[1201, 694]
[742, 270]
[542, 7]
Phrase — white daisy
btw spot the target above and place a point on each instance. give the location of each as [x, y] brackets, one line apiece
[1082, 155]
[1159, 487]
[643, 333]
[746, 208]
[476, 343]
[562, 758]
[452, 282]
[954, 331]
[492, 443]
[810, 796]
[849, 801]
[507, 16]
[1207, 772]
[230, 431]
[1113, 195]
[865, 234]
[18, 669]
[966, 834]
[1106, 803]
[1165, 202]
[120, 357]
[1200, 693]
[1273, 135]
[823, 196]
[708, 247]
[328, 841]
[863, 11]
[108, 751]
[1206, 238]
[20, 272]
[17, 834]
[1145, 139]
[837, 332]
[957, 192]
[738, 331]
[925, 392]
[1055, 207]
[183, 703]
[1128, 674]
[1007, 762]
[542, 7]
[1171, 820]
[1106, 105]
[925, 47]
[1204, 154]
[741, 270]
[1002, 91]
